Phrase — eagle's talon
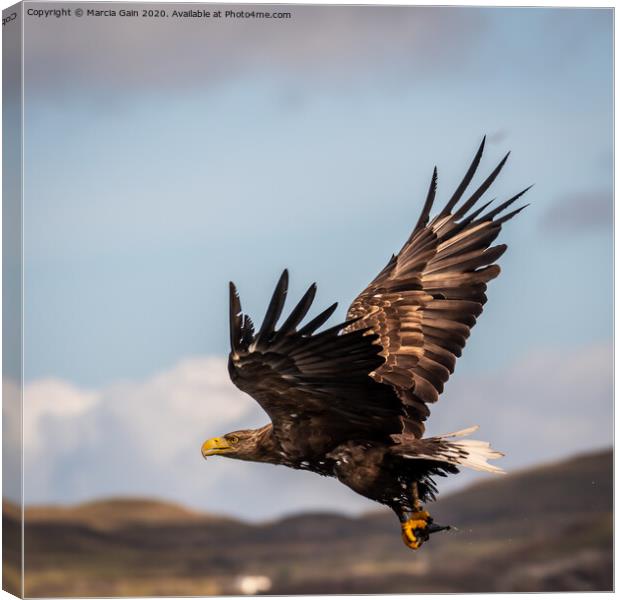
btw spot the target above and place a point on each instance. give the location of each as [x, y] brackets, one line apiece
[410, 539]
[414, 529]
[414, 544]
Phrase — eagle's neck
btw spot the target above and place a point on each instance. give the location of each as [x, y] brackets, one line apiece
[266, 447]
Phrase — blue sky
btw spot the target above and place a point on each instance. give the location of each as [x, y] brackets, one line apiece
[164, 159]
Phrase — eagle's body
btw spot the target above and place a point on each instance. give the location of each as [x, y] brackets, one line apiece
[351, 401]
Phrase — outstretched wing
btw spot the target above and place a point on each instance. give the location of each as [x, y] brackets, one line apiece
[315, 387]
[425, 301]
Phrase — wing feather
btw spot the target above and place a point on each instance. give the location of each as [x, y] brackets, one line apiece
[274, 310]
[424, 303]
[465, 182]
[297, 314]
[319, 379]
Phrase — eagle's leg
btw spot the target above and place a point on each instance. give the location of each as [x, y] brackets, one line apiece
[415, 524]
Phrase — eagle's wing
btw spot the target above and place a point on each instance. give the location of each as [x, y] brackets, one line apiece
[315, 387]
[425, 301]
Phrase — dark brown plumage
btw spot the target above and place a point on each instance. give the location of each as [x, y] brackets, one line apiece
[351, 401]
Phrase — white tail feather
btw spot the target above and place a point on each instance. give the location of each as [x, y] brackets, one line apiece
[473, 454]
[478, 452]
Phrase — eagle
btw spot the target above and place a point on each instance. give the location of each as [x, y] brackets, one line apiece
[350, 401]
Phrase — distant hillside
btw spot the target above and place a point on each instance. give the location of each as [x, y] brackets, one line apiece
[115, 513]
[540, 530]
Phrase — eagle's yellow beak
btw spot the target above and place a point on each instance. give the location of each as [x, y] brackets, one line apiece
[214, 446]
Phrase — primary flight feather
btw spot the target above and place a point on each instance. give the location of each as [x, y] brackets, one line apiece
[350, 401]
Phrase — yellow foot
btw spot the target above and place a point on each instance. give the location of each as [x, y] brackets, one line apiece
[413, 529]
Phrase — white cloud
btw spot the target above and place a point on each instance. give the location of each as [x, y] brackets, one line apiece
[52, 398]
[143, 438]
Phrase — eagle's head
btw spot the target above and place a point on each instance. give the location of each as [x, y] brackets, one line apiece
[237, 444]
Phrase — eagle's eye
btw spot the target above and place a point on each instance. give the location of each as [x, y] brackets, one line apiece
[233, 439]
